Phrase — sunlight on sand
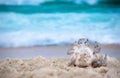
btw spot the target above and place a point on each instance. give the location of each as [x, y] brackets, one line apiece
[41, 67]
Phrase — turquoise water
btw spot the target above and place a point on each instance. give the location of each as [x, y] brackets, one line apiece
[59, 7]
[58, 23]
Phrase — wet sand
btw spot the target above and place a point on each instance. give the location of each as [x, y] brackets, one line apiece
[28, 62]
[51, 51]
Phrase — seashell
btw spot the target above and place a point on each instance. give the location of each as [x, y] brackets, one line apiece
[82, 55]
[97, 47]
[99, 60]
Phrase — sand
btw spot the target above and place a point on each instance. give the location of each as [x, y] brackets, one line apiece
[52, 51]
[41, 67]
[52, 62]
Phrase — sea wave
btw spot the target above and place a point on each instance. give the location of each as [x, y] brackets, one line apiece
[57, 28]
[37, 2]
[59, 7]
[28, 38]
[78, 2]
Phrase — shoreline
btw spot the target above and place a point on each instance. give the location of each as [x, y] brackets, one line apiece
[53, 51]
[113, 46]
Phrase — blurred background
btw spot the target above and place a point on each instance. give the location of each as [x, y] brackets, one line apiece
[58, 22]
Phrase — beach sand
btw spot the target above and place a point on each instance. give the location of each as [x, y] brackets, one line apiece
[52, 62]
[41, 67]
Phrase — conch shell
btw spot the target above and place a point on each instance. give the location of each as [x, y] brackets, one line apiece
[82, 55]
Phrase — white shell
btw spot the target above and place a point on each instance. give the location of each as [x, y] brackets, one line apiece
[82, 55]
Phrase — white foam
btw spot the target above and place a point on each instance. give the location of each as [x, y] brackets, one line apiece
[46, 29]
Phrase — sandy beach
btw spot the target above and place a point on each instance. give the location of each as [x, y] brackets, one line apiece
[41, 67]
[52, 62]
[59, 39]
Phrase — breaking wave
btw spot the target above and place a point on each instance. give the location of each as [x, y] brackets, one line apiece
[57, 28]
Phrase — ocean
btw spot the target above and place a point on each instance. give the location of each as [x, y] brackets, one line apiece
[58, 23]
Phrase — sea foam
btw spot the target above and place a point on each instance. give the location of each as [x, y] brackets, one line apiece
[57, 28]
